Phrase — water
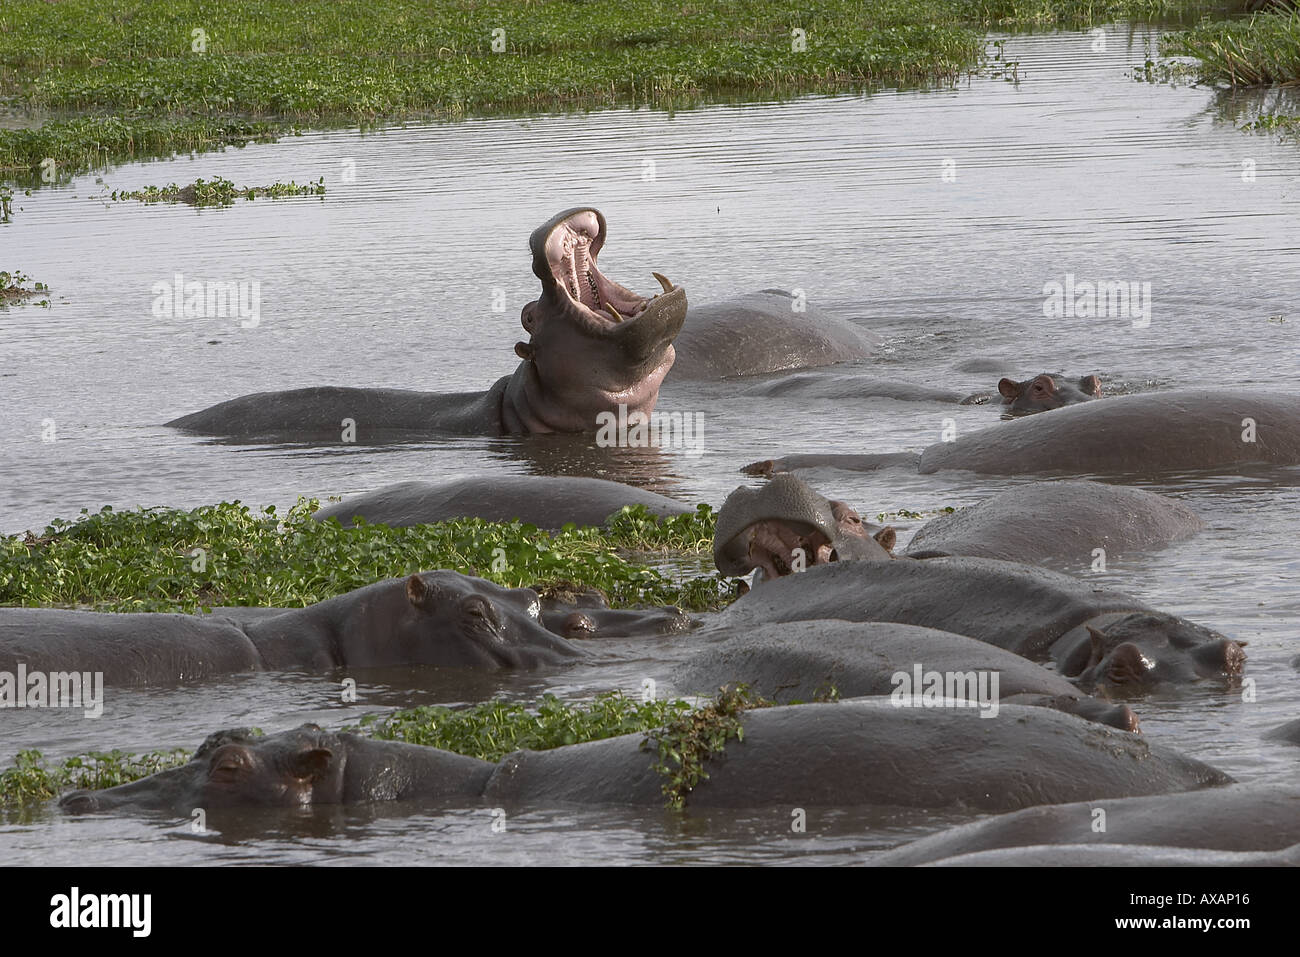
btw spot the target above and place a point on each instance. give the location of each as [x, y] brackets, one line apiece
[389, 281]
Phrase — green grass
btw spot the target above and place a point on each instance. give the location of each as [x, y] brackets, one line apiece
[163, 559]
[1257, 51]
[32, 779]
[119, 79]
[216, 192]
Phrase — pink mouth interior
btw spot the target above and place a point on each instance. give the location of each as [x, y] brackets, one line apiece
[573, 264]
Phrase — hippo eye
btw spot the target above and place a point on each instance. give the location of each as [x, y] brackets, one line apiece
[229, 763]
[480, 614]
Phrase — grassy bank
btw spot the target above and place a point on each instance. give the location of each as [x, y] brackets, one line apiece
[229, 554]
[115, 79]
[1257, 51]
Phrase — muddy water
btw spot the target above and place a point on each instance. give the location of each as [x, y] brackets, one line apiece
[390, 280]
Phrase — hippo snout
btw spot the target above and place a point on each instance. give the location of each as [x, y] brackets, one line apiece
[1127, 665]
[1225, 657]
[79, 802]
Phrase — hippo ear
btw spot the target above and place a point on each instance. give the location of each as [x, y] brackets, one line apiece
[887, 538]
[524, 351]
[420, 593]
[310, 764]
[1008, 388]
[1098, 646]
[1091, 385]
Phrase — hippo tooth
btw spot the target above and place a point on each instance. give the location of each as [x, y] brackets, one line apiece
[668, 287]
[609, 306]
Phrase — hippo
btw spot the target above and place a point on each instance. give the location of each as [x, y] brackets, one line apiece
[593, 346]
[1064, 519]
[819, 385]
[852, 753]
[586, 615]
[1289, 732]
[1119, 855]
[1103, 639]
[430, 618]
[763, 332]
[1146, 434]
[805, 660]
[1238, 818]
[785, 524]
[1045, 392]
[545, 501]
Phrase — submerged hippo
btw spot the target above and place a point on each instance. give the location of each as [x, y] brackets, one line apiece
[807, 660]
[1120, 855]
[545, 501]
[1045, 392]
[1150, 434]
[1239, 818]
[1057, 520]
[785, 525]
[853, 753]
[1099, 637]
[431, 618]
[766, 331]
[593, 345]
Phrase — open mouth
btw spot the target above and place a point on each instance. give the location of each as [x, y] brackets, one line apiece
[564, 257]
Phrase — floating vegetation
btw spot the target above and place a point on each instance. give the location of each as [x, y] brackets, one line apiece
[14, 288]
[165, 559]
[32, 779]
[217, 192]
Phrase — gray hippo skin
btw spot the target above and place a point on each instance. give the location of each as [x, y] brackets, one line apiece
[593, 345]
[1145, 434]
[1149, 434]
[769, 527]
[1238, 818]
[803, 660]
[1058, 520]
[1045, 392]
[820, 385]
[1120, 855]
[1289, 732]
[432, 618]
[761, 332]
[1099, 637]
[853, 753]
[545, 501]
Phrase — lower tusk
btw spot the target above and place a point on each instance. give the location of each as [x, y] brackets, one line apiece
[668, 287]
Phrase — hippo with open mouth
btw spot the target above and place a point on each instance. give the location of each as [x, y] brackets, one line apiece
[854, 753]
[593, 345]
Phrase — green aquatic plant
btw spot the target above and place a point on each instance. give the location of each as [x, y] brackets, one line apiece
[216, 192]
[1256, 51]
[491, 730]
[13, 288]
[691, 737]
[33, 779]
[164, 559]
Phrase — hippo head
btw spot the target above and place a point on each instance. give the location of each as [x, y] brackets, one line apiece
[1141, 650]
[1044, 392]
[455, 620]
[593, 344]
[786, 526]
[234, 768]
